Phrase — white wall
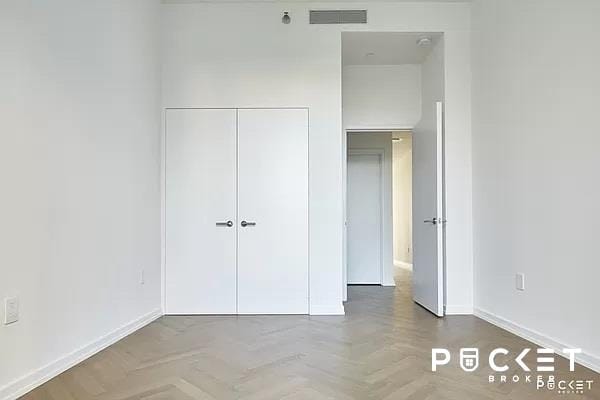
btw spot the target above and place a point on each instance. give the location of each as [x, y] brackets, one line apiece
[241, 55]
[381, 96]
[79, 166]
[402, 199]
[536, 91]
[381, 141]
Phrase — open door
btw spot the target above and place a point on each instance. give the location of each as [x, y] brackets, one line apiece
[428, 212]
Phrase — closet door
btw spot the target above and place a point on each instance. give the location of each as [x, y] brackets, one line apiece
[200, 211]
[273, 211]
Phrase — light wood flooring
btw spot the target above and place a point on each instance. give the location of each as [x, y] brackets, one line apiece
[381, 349]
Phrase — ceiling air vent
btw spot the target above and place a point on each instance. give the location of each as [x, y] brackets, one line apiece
[338, 16]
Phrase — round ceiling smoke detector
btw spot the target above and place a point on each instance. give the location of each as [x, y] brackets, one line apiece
[424, 41]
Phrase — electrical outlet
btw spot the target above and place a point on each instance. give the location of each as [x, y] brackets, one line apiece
[11, 310]
[520, 281]
[142, 277]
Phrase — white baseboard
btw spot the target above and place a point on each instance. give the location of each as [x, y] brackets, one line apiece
[36, 378]
[327, 310]
[391, 284]
[453, 309]
[588, 360]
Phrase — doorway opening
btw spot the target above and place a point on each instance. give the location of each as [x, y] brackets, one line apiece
[392, 107]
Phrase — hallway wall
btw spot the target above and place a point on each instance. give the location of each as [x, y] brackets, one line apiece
[402, 199]
[381, 96]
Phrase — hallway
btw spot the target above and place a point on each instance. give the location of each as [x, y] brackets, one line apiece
[381, 349]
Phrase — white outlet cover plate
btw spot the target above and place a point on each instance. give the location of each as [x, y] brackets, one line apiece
[520, 281]
[11, 310]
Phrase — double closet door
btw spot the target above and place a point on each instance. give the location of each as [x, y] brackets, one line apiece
[237, 211]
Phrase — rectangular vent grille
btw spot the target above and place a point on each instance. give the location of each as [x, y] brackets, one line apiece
[338, 16]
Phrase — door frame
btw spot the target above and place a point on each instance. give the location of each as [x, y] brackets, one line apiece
[345, 152]
[345, 133]
[374, 151]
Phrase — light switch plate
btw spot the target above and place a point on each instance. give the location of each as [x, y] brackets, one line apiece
[520, 281]
[11, 310]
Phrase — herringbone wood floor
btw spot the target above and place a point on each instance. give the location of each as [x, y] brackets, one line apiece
[381, 349]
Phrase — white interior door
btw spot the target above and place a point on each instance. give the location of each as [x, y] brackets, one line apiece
[364, 216]
[200, 201]
[428, 212]
[273, 200]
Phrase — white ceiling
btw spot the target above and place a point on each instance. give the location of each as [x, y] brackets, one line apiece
[385, 48]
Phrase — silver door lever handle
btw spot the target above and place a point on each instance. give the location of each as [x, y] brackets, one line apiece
[246, 223]
[433, 221]
[228, 223]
